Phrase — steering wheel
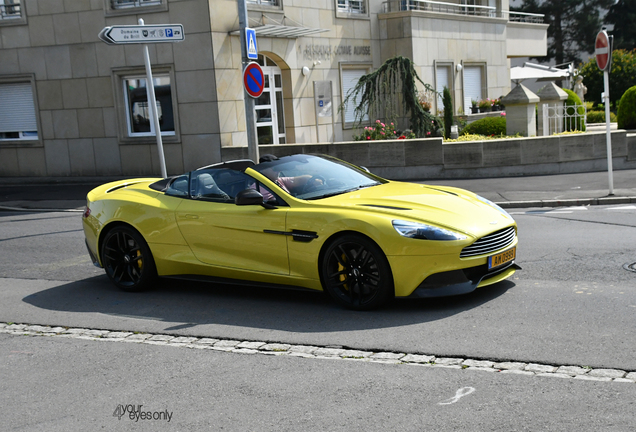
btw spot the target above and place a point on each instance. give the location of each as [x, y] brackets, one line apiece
[311, 183]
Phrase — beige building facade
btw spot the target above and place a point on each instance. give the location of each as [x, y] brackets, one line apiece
[71, 105]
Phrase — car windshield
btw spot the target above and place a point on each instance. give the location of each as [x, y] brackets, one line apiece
[313, 177]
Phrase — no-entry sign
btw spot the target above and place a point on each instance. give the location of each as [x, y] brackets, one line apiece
[253, 80]
[602, 50]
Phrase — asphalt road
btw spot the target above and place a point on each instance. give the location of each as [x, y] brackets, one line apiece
[61, 385]
[572, 304]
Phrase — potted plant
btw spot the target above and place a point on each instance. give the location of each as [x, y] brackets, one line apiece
[474, 109]
[423, 99]
[485, 105]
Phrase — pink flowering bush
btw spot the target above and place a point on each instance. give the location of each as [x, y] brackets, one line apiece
[382, 131]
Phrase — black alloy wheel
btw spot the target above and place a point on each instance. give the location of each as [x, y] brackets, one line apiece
[127, 259]
[356, 273]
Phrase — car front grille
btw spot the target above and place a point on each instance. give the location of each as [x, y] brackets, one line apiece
[490, 243]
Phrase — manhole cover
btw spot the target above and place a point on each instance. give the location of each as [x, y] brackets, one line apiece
[630, 267]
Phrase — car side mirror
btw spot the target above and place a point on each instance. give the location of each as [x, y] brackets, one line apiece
[248, 197]
[251, 197]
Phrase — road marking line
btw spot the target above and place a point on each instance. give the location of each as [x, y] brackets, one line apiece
[464, 391]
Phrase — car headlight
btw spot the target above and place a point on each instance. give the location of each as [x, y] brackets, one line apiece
[425, 232]
[493, 205]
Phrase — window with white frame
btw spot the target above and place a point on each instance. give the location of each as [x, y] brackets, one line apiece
[473, 85]
[349, 79]
[12, 12]
[264, 4]
[18, 119]
[10, 9]
[127, 7]
[138, 116]
[352, 6]
[125, 4]
[443, 78]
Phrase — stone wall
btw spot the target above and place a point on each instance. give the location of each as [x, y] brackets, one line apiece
[431, 158]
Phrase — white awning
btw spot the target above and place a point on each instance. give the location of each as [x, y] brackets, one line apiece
[282, 31]
[520, 73]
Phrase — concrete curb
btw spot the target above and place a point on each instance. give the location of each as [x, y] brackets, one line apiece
[503, 204]
[567, 202]
[326, 353]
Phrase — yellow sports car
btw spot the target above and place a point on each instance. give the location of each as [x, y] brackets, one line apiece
[307, 221]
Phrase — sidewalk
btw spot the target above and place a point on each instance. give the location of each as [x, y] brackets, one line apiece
[509, 192]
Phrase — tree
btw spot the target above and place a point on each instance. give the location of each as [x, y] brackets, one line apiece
[573, 26]
[448, 112]
[623, 15]
[390, 92]
[622, 76]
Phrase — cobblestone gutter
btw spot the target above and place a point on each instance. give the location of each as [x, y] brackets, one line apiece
[328, 352]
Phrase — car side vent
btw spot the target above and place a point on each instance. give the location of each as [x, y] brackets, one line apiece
[121, 186]
[385, 207]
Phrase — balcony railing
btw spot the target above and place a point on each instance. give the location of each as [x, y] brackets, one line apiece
[526, 17]
[264, 2]
[458, 9]
[436, 6]
[10, 11]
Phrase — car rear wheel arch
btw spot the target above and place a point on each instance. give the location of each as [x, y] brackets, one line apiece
[146, 272]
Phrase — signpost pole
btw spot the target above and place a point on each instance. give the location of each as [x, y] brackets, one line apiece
[603, 53]
[608, 131]
[250, 122]
[152, 107]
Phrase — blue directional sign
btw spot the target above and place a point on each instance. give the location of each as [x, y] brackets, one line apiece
[250, 38]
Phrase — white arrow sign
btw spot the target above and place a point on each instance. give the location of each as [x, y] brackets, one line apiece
[130, 34]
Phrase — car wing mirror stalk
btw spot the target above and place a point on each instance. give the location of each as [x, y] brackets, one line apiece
[251, 197]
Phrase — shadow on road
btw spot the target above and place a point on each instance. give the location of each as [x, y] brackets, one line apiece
[197, 303]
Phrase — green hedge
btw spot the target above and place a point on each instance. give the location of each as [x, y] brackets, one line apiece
[627, 110]
[599, 117]
[489, 126]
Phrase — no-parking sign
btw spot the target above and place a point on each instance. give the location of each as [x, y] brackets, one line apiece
[253, 79]
[602, 50]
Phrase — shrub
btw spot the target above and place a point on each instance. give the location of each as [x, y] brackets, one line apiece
[599, 117]
[489, 126]
[448, 112]
[383, 131]
[621, 76]
[627, 110]
[578, 123]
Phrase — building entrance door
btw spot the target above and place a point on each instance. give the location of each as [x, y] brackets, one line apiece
[268, 108]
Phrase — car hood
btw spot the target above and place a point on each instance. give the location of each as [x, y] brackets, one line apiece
[454, 208]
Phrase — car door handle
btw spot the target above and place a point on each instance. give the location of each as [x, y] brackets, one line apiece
[191, 216]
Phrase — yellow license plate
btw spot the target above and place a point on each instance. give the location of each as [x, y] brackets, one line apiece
[501, 258]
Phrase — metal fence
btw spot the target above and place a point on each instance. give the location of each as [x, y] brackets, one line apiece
[559, 118]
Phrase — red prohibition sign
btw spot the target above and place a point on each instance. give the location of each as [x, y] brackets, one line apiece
[253, 79]
[602, 50]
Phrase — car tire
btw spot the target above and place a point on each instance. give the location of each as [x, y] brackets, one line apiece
[356, 273]
[127, 259]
